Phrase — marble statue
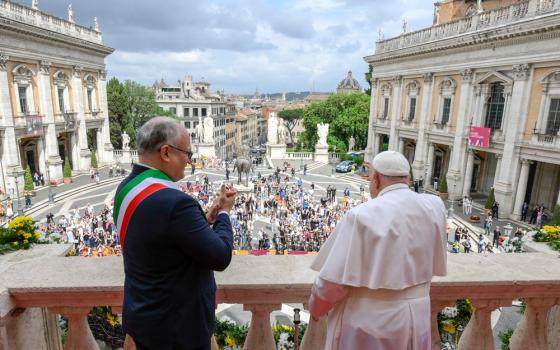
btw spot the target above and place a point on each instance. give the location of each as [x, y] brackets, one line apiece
[199, 131]
[322, 132]
[70, 13]
[208, 130]
[281, 131]
[272, 136]
[479, 7]
[95, 24]
[125, 141]
[35, 4]
[351, 143]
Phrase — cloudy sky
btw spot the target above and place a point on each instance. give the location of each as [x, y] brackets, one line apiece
[241, 45]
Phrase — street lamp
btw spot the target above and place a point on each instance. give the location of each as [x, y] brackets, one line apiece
[452, 209]
[51, 194]
[16, 174]
[508, 229]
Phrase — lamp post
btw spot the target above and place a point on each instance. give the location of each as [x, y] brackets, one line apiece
[16, 175]
[452, 209]
[297, 320]
[51, 194]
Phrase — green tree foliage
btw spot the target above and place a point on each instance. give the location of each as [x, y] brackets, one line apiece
[291, 118]
[347, 115]
[93, 159]
[443, 184]
[67, 171]
[556, 216]
[490, 200]
[369, 75]
[28, 180]
[130, 106]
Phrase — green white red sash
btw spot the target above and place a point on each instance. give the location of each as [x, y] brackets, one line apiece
[133, 193]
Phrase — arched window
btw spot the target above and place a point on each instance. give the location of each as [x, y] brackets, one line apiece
[495, 106]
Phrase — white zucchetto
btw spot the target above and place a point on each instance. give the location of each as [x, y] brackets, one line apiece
[391, 163]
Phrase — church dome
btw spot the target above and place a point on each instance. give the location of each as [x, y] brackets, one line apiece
[349, 83]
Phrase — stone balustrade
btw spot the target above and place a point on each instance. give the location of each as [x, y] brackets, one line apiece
[27, 15]
[515, 13]
[72, 286]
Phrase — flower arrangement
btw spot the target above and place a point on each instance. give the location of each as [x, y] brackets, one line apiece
[549, 234]
[20, 234]
[474, 218]
[452, 320]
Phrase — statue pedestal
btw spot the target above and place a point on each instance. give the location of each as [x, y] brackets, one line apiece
[207, 150]
[126, 157]
[321, 154]
[276, 151]
[242, 189]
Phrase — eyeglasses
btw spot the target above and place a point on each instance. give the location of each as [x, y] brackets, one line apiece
[189, 154]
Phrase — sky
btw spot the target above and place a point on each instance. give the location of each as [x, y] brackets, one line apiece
[242, 45]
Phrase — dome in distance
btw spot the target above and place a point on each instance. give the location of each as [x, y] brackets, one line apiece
[349, 84]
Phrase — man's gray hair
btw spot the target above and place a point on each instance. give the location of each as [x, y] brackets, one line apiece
[156, 132]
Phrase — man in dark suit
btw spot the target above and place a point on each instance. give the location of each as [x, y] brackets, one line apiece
[169, 248]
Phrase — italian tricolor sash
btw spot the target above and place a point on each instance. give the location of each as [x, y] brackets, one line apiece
[133, 193]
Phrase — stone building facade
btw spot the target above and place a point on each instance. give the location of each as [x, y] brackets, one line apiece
[53, 100]
[192, 102]
[497, 69]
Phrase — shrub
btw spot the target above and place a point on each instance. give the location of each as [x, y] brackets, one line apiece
[443, 184]
[505, 337]
[67, 170]
[93, 159]
[28, 180]
[23, 232]
[490, 200]
[555, 220]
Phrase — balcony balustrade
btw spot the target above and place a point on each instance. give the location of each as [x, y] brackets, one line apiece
[299, 155]
[72, 286]
[515, 13]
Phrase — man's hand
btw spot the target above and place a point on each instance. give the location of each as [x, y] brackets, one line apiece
[212, 213]
[227, 197]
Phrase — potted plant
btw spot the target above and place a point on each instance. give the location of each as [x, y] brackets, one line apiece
[67, 172]
[443, 194]
[28, 186]
[490, 202]
[93, 160]
[474, 218]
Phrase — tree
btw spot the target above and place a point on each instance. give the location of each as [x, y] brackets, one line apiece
[490, 200]
[119, 111]
[443, 184]
[556, 216]
[347, 115]
[28, 180]
[369, 75]
[67, 171]
[93, 159]
[291, 117]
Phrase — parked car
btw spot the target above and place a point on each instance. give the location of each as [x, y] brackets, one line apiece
[345, 166]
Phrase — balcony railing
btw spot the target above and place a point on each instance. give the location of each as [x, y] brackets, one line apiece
[546, 140]
[299, 155]
[490, 281]
[508, 15]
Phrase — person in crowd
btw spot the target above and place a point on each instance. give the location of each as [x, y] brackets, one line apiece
[167, 240]
[524, 211]
[374, 274]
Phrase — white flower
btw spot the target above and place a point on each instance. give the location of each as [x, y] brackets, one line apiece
[450, 312]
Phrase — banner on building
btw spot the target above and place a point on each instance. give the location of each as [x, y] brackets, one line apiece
[33, 125]
[479, 137]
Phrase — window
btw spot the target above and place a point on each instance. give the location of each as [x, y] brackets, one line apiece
[22, 90]
[173, 110]
[188, 125]
[553, 124]
[195, 112]
[495, 107]
[61, 100]
[203, 112]
[412, 109]
[186, 112]
[446, 112]
[385, 108]
[89, 99]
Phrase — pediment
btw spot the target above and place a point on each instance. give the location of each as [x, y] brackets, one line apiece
[494, 77]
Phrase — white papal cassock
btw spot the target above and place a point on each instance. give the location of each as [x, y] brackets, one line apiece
[376, 269]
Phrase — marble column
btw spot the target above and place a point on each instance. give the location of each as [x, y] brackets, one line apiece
[521, 188]
[372, 135]
[421, 144]
[401, 146]
[50, 137]
[468, 174]
[530, 332]
[515, 118]
[260, 334]
[84, 159]
[395, 115]
[79, 333]
[429, 166]
[108, 157]
[454, 172]
[497, 173]
[376, 145]
[10, 154]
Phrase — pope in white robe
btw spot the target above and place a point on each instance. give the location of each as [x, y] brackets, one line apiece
[376, 267]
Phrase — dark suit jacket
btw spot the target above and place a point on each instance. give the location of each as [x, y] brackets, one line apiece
[170, 253]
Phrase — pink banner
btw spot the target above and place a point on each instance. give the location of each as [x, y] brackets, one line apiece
[479, 137]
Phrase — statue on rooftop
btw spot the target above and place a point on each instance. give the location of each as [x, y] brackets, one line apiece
[70, 13]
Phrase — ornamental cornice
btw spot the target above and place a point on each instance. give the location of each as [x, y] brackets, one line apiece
[3, 60]
[428, 77]
[77, 70]
[44, 67]
[521, 71]
[543, 28]
[397, 79]
[467, 75]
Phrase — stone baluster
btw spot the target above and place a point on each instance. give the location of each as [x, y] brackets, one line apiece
[79, 333]
[531, 330]
[436, 307]
[315, 335]
[478, 333]
[3, 334]
[260, 333]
